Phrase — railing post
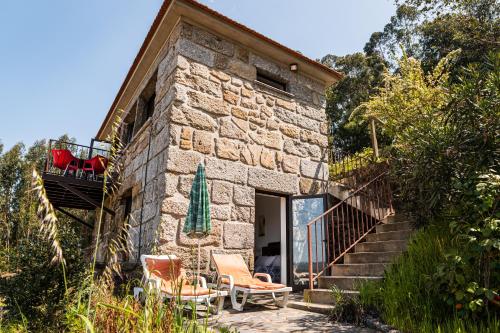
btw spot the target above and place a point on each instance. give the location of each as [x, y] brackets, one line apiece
[309, 254]
[48, 156]
[373, 137]
[91, 148]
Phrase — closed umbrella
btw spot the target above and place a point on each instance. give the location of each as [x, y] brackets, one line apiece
[198, 217]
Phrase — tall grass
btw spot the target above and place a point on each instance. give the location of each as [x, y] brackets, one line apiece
[95, 306]
[405, 298]
[121, 312]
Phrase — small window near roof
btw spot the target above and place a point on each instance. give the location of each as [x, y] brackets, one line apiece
[271, 81]
[145, 104]
[129, 133]
[150, 106]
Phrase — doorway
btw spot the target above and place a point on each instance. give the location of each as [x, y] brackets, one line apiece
[270, 250]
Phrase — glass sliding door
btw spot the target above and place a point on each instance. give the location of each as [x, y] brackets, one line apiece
[302, 210]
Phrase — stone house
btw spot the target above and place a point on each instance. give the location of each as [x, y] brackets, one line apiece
[204, 88]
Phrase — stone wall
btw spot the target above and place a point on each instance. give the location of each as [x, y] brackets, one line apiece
[209, 108]
[144, 163]
[249, 136]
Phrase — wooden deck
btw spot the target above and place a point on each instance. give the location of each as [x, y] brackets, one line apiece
[68, 192]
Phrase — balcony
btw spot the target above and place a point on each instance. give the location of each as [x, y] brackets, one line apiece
[74, 176]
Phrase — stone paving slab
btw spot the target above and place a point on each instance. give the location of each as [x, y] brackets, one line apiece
[265, 317]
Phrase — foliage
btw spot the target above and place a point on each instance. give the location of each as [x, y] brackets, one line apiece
[430, 29]
[427, 30]
[468, 279]
[363, 74]
[449, 129]
[444, 159]
[410, 106]
[30, 284]
[348, 308]
[403, 298]
[123, 313]
[347, 164]
[406, 299]
[34, 287]
[409, 101]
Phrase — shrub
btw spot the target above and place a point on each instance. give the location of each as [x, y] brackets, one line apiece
[407, 297]
[467, 280]
[348, 308]
[403, 297]
[34, 287]
[121, 312]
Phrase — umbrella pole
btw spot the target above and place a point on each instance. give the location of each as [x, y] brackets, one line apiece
[199, 255]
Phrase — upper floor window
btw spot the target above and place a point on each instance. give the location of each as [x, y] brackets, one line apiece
[146, 102]
[150, 106]
[271, 80]
[142, 109]
[129, 132]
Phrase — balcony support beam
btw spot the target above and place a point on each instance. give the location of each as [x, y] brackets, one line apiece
[74, 217]
[86, 198]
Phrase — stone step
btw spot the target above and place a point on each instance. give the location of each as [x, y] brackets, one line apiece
[385, 246]
[369, 257]
[325, 309]
[324, 296]
[389, 235]
[387, 227]
[345, 282]
[396, 218]
[372, 269]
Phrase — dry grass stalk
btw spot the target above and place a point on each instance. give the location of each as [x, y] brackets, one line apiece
[48, 218]
[118, 245]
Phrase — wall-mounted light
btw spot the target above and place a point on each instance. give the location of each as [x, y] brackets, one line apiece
[294, 67]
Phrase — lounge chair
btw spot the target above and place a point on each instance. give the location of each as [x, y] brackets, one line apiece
[163, 274]
[233, 274]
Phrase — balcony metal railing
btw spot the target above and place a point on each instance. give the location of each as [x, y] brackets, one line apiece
[78, 155]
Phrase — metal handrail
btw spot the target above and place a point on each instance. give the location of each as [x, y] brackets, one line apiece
[79, 151]
[347, 223]
[345, 166]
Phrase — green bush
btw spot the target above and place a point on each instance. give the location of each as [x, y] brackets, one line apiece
[348, 308]
[469, 279]
[404, 297]
[35, 288]
[407, 297]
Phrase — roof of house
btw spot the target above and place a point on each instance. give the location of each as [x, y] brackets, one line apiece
[192, 8]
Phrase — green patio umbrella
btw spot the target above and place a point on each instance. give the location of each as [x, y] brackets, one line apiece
[198, 217]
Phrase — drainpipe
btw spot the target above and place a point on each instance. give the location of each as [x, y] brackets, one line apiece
[144, 195]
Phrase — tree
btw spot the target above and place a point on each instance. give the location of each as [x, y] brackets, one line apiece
[11, 188]
[399, 33]
[436, 125]
[430, 29]
[427, 30]
[32, 286]
[363, 75]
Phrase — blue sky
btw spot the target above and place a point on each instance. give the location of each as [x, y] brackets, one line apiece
[63, 61]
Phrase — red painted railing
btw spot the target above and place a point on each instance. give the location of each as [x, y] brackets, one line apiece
[334, 233]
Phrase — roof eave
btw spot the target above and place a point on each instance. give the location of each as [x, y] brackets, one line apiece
[168, 15]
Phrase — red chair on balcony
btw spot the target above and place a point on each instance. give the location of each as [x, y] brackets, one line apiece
[97, 165]
[64, 160]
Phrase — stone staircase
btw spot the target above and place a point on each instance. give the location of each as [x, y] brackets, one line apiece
[367, 261]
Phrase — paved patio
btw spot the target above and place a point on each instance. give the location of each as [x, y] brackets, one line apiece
[266, 317]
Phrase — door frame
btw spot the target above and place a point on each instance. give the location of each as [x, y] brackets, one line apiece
[289, 232]
[283, 254]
